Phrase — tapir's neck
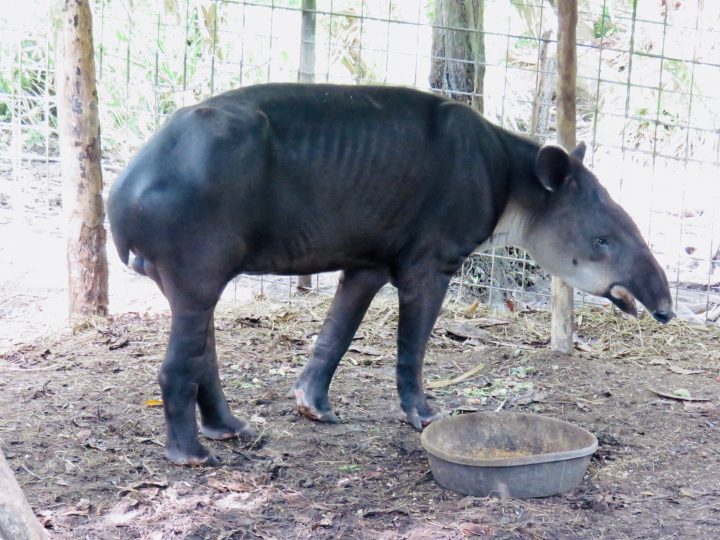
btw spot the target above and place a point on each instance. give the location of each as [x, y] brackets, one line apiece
[511, 229]
[525, 195]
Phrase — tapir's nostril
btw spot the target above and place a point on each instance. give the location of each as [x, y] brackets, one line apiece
[664, 316]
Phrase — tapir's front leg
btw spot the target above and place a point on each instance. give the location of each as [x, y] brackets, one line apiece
[421, 296]
[355, 291]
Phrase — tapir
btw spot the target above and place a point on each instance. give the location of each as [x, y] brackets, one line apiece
[388, 185]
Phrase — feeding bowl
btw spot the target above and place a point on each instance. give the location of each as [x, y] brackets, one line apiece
[507, 454]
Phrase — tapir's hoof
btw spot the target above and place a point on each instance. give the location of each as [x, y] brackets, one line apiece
[313, 412]
[202, 458]
[419, 420]
[232, 428]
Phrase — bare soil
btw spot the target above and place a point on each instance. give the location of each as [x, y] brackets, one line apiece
[82, 429]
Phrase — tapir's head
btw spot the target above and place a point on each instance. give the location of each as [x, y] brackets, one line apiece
[582, 236]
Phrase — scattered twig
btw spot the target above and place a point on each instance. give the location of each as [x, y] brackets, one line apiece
[670, 395]
[259, 437]
[24, 468]
[41, 368]
[443, 383]
[640, 334]
[399, 509]
[502, 404]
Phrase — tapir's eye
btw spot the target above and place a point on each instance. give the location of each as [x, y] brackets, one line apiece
[601, 242]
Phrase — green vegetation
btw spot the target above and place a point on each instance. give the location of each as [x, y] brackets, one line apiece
[604, 27]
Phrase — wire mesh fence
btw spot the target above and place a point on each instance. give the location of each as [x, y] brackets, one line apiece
[648, 98]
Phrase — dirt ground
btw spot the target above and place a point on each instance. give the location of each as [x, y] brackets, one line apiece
[83, 432]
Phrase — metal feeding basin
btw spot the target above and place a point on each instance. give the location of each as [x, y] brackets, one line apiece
[507, 454]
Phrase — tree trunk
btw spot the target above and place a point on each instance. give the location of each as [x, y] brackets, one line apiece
[306, 74]
[80, 154]
[17, 520]
[458, 51]
[545, 87]
[562, 294]
[458, 71]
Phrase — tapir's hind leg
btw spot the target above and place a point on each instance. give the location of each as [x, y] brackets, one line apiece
[179, 383]
[188, 376]
[354, 294]
[216, 420]
[421, 297]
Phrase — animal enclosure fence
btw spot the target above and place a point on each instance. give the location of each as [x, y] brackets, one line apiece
[648, 98]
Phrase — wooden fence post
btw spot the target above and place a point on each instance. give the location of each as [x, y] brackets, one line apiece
[562, 294]
[306, 74]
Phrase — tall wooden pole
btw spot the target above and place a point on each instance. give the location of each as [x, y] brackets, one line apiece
[562, 294]
[306, 74]
[77, 103]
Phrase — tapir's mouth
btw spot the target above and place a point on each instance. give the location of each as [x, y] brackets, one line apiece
[623, 299]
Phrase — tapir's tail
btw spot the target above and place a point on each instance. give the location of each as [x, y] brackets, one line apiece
[122, 244]
[119, 213]
[123, 249]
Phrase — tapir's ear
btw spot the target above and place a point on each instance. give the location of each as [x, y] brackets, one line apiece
[579, 151]
[552, 167]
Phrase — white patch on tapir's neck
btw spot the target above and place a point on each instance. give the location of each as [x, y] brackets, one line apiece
[510, 229]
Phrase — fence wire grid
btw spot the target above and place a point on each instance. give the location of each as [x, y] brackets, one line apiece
[647, 86]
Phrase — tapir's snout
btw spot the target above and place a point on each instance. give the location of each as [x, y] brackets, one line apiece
[652, 289]
[624, 299]
[649, 286]
[664, 314]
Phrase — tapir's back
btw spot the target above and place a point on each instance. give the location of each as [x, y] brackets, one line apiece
[331, 143]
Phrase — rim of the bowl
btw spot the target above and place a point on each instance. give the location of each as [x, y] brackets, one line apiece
[548, 457]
